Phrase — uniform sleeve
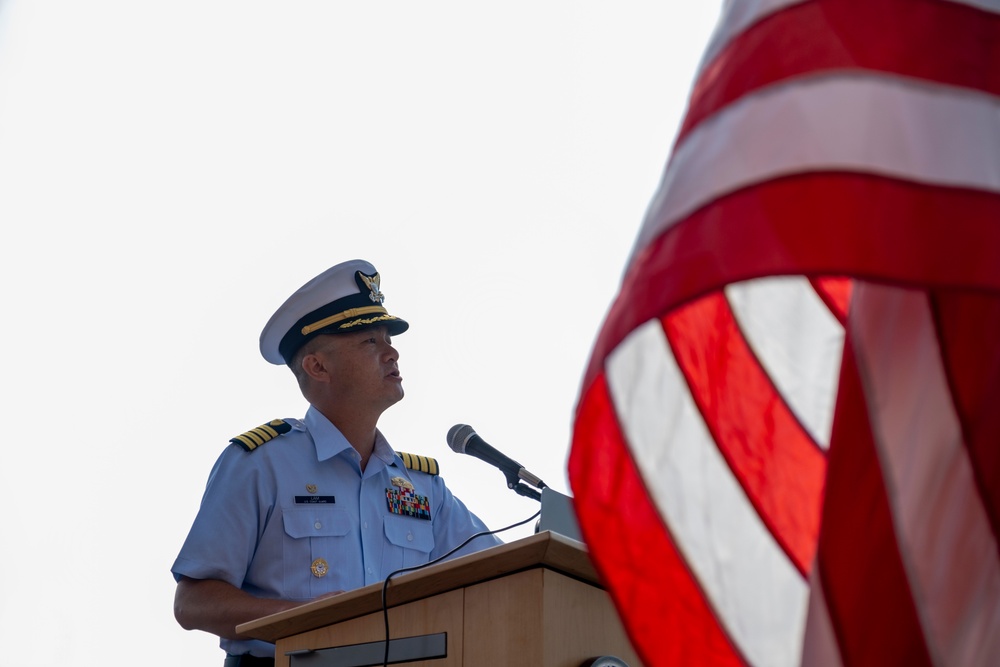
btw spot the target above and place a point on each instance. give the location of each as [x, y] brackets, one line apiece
[229, 522]
[455, 523]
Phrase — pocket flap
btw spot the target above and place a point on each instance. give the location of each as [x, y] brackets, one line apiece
[409, 533]
[316, 522]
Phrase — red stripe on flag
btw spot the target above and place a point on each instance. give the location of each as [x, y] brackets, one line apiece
[775, 460]
[836, 294]
[864, 582]
[969, 333]
[662, 607]
[810, 224]
[938, 41]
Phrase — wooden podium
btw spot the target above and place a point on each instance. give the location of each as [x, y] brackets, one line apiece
[534, 602]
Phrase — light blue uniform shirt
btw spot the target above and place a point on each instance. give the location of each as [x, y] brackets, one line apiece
[296, 518]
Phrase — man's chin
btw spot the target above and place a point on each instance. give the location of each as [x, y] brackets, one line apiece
[396, 398]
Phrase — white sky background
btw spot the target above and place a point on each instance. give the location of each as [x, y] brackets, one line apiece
[170, 172]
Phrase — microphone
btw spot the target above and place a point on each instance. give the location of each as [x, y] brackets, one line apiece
[464, 440]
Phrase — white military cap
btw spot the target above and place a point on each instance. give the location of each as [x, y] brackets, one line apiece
[344, 298]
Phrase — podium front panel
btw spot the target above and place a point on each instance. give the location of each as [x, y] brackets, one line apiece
[440, 613]
[541, 617]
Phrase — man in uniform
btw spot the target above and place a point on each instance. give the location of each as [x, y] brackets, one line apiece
[300, 509]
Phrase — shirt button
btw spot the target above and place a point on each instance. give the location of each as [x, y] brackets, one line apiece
[318, 525]
[409, 537]
[366, 524]
[369, 570]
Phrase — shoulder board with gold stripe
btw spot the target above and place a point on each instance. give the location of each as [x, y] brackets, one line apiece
[421, 463]
[256, 437]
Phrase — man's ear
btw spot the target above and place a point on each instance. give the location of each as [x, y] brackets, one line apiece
[316, 366]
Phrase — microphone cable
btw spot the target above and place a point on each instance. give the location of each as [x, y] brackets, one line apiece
[385, 584]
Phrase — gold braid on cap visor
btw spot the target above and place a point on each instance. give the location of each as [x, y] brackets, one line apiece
[340, 317]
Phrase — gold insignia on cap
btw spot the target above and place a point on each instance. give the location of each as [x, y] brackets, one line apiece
[319, 567]
[373, 283]
[311, 488]
[402, 483]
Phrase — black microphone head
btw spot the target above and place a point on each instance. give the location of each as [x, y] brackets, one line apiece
[458, 437]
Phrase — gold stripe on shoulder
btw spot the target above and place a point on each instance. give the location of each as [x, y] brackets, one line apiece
[256, 437]
[420, 463]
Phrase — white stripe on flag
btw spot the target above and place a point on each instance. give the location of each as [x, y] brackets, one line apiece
[756, 591]
[913, 130]
[948, 547]
[798, 342]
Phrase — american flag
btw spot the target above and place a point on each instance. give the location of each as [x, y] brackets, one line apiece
[786, 448]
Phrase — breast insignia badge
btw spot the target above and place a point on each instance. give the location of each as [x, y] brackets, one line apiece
[402, 483]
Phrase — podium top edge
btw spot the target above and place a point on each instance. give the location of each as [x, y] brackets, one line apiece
[544, 549]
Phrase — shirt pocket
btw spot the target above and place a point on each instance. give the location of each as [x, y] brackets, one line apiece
[408, 542]
[316, 550]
